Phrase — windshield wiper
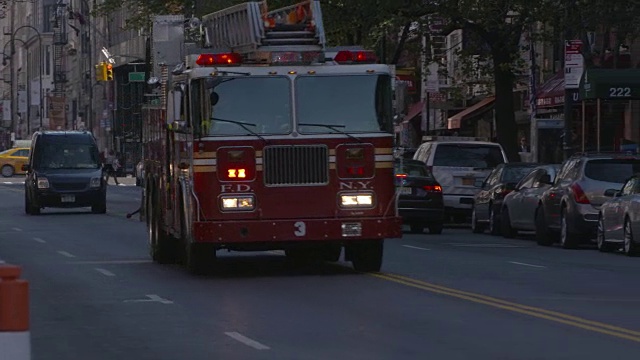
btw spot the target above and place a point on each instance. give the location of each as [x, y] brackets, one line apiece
[244, 125]
[334, 128]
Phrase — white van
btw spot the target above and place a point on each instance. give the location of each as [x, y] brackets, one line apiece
[460, 165]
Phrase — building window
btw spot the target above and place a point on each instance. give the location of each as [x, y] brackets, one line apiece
[47, 60]
[47, 14]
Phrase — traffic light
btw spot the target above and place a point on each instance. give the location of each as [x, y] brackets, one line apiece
[101, 72]
[109, 72]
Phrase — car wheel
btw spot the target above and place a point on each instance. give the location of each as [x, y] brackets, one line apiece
[494, 222]
[8, 171]
[505, 222]
[602, 243]
[435, 228]
[544, 237]
[476, 227]
[568, 240]
[630, 247]
[416, 229]
[100, 207]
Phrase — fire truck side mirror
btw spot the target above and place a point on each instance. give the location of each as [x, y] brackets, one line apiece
[174, 107]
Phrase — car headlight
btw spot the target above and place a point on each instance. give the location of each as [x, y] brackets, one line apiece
[95, 182]
[243, 202]
[356, 200]
[43, 183]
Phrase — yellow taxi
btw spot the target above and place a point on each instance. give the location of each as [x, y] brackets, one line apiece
[11, 161]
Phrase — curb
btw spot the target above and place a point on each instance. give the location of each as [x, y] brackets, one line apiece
[15, 338]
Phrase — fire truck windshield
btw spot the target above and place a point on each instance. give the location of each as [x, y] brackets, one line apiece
[262, 102]
[356, 103]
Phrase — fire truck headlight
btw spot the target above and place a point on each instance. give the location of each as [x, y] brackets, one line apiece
[356, 200]
[246, 202]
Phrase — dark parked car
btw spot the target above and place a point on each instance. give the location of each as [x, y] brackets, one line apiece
[488, 201]
[64, 171]
[420, 196]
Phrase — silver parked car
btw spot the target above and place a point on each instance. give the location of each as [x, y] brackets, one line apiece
[519, 206]
[619, 219]
[570, 208]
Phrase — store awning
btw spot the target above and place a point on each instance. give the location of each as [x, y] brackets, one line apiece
[414, 110]
[610, 84]
[482, 106]
[551, 93]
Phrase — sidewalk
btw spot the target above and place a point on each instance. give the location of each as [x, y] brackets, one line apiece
[124, 181]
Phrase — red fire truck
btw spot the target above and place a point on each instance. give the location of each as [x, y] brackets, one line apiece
[278, 144]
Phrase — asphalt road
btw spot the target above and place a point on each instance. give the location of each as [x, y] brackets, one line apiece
[96, 295]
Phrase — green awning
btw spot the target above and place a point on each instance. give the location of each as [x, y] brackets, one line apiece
[610, 84]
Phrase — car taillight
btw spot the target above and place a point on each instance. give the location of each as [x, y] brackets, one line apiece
[432, 188]
[579, 195]
[401, 175]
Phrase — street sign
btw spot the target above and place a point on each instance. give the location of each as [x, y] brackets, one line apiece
[136, 77]
[573, 64]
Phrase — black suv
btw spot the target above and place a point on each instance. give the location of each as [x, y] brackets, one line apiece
[64, 171]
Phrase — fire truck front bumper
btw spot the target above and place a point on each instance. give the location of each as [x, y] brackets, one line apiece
[249, 231]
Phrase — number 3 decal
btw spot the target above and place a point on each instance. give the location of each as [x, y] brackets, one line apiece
[301, 228]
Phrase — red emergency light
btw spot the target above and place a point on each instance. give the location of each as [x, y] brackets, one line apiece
[219, 59]
[359, 56]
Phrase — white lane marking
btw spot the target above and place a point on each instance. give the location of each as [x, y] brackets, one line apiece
[416, 247]
[39, 240]
[485, 245]
[16, 229]
[105, 272]
[106, 262]
[276, 252]
[64, 253]
[525, 264]
[247, 341]
[152, 298]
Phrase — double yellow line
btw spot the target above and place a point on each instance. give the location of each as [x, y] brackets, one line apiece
[515, 307]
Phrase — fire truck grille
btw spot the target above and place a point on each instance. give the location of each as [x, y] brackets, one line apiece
[296, 165]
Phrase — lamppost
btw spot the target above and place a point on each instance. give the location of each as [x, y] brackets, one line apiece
[41, 65]
[13, 81]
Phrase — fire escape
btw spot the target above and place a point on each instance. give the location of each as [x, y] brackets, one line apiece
[60, 39]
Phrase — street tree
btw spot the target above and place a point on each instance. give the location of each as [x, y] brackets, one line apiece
[140, 12]
[499, 25]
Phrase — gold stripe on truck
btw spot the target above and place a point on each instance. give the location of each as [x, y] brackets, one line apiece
[384, 165]
[384, 151]
[204, 168]
[204, 155]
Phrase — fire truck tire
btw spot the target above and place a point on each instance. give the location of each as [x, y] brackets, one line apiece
[331, 253]
[367, 255]
[161, 246]
[200, 258]
[100, 207]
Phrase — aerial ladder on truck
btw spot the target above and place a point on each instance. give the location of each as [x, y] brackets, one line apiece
[253, 31]
[236, 38]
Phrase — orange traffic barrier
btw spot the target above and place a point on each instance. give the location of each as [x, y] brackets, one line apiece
[15, 339]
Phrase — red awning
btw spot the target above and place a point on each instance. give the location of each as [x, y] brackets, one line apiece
[455, 121]
[551, 93]
[414, 110]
